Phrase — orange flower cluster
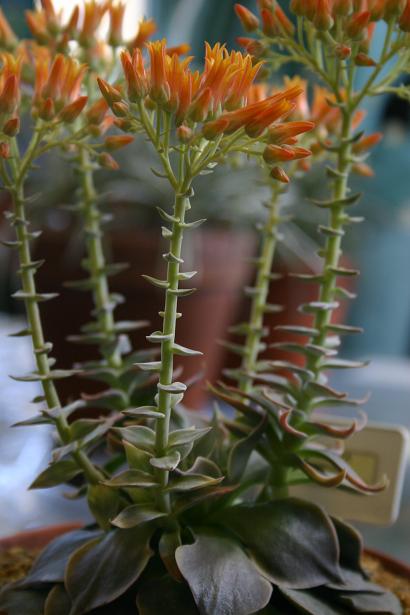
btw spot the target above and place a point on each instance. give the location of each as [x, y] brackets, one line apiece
[57, 88]
[10, 75]
[49, 28]
[356, 22]
[217, 96]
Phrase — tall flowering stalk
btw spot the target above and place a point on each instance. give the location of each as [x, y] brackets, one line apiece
[333, 40]
[55, 102]
[81, 36]
[211, 123]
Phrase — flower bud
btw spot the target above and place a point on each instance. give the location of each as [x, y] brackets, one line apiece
[110, 93]
[70, 112]
[4, 150]
[253, 47]
[323, 19]
[249, 21]
[284, 21]
[357, 25]
[123, 124]
[120, 109]
[342, 8]
[393, 8]
[363, 59]
[212, 130]
[366, 143]
[343, 51]
[404, 21]
[269, 26]
[47, 110]
[285, 133]
[276, 153]
[184, 133]
[12, 127]
[279, 174]
[363, 169]
[117, 142]
[107, 162]
[301, 152]
[8, 39]
[9, 97]
[97, 112]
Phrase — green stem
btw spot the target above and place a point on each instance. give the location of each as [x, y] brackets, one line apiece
[170, 316]
[27, 273]
[261, 291]
[97, 262]
[333, 250]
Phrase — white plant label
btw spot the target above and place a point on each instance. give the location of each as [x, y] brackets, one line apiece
[375, 451]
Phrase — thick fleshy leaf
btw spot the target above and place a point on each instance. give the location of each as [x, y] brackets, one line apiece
[50, 565]
[131, 478]
[168, 544]
[58, 601]
[186, 436]
[192, 481]
[165, 595]
[351, 545]
[56, 474]
[293, 541]
[19, 601]
[138, 435]
[102, 570]
[169, 462]
[311, 603]
[360, 602]
[135, 515]
[104, 504]
[242, 450]
[221, 576]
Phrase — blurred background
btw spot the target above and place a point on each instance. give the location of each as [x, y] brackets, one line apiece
[232, 204]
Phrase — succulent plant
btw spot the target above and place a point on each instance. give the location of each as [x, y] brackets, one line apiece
[193, 515]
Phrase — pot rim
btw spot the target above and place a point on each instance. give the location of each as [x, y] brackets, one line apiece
[39, 537]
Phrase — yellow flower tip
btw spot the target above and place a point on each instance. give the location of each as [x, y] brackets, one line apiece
[146, 30]
[179, 50]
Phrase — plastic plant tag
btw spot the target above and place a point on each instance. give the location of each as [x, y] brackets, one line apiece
[376, 451]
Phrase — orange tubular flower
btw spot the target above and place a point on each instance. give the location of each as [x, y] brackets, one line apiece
[159, 90]
[8, 39]
[10, 83]
[116, 13]
[146, 29]
[93, 14]
[57, 87]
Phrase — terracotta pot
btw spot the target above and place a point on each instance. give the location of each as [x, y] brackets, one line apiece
[39, 538]
[218, 255]
[390, 563]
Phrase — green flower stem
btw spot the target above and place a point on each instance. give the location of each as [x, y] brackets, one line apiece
[259, 298]
[27, 273]
[170, 316]
[97, 262]
[333, 250]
